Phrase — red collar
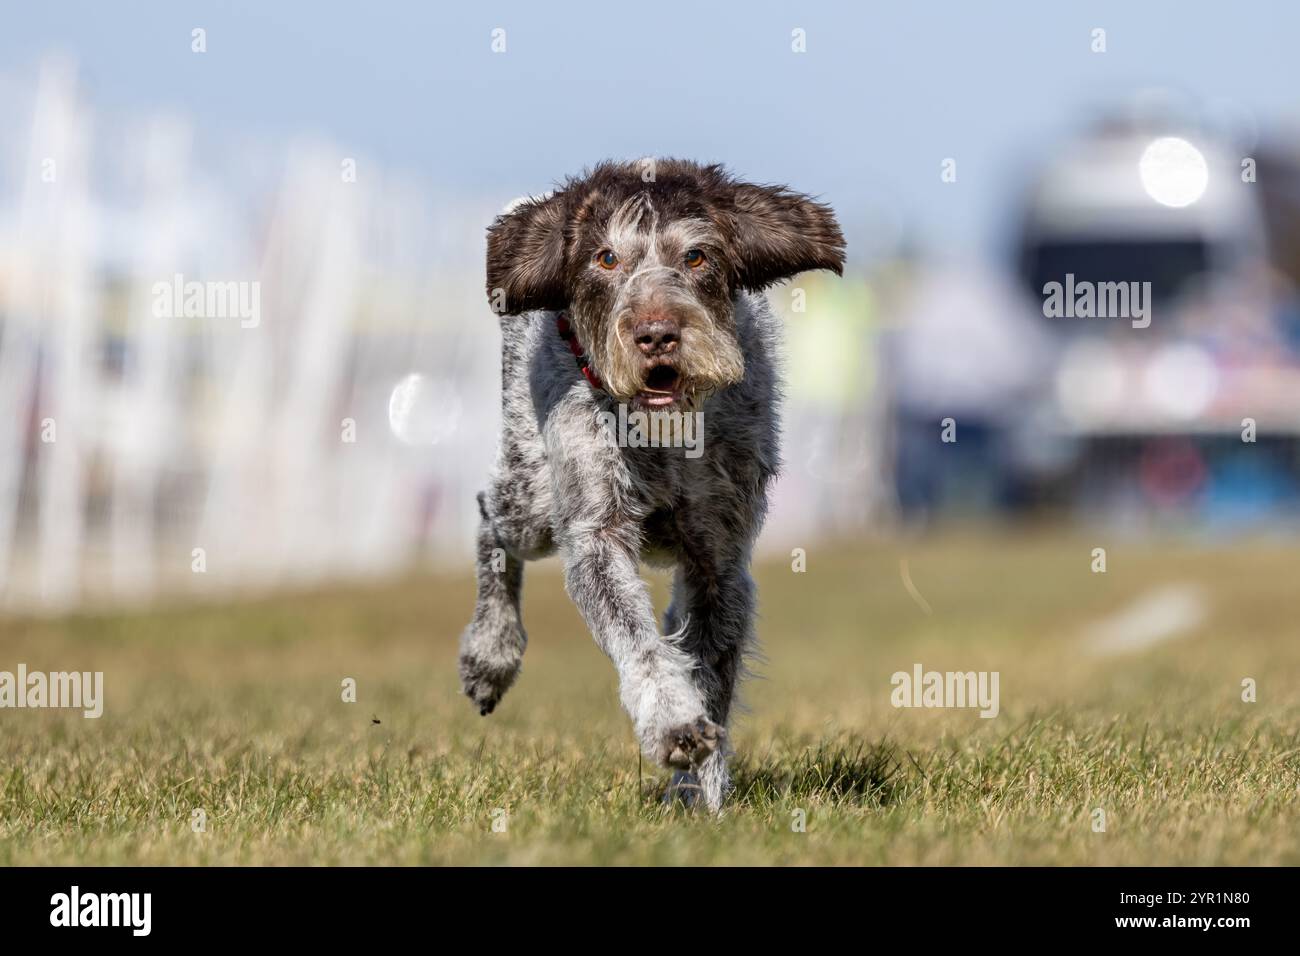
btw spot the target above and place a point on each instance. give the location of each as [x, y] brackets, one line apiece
[566, 332]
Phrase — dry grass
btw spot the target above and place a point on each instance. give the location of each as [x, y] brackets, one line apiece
[237, 710]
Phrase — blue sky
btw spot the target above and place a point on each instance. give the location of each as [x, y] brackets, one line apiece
[885, 92]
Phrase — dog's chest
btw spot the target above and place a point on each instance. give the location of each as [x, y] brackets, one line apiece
[660, 480]
[659, 477]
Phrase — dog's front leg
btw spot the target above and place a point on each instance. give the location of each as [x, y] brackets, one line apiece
[714, 607]
[597, 528]
[656, 686]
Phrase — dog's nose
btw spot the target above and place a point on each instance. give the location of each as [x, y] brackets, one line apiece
[656, 334]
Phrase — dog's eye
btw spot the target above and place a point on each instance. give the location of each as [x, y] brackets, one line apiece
[606, 259]
[694, 258]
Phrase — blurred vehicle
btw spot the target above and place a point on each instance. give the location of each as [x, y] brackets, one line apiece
[1189, 405]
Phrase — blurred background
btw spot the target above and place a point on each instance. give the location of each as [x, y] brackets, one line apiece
[345, 163]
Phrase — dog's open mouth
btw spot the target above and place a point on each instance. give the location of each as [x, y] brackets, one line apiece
[663, 386]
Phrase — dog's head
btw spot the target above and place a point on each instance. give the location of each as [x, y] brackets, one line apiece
[647, 259]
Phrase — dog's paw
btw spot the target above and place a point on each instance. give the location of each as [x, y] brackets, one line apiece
[484, 682]
[687, 745]
[684, 789]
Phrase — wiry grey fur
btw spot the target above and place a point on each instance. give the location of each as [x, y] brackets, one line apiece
[560, 484]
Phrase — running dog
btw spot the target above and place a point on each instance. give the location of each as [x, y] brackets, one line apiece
[640, 284]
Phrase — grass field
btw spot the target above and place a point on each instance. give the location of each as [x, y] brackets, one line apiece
[237, 710]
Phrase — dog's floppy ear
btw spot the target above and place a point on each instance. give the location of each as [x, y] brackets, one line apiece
[778, 233]
[525, 257]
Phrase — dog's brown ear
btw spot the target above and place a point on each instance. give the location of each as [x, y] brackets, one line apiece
[525, 257]
[779, 233]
